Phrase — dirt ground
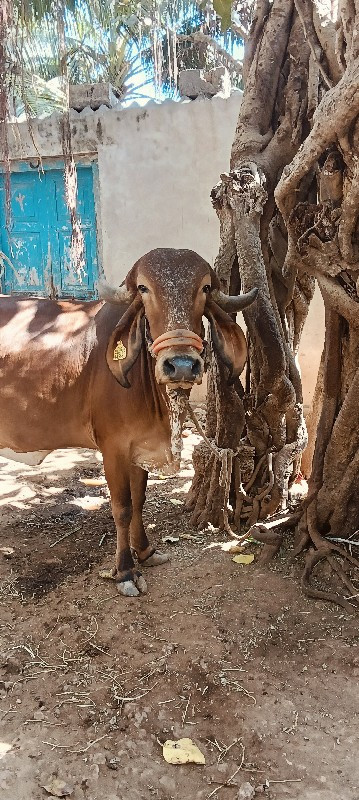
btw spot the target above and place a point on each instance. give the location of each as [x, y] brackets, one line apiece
[233, 657]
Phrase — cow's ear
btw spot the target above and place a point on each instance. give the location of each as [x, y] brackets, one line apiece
[126, 341]
[131, 279]
[228, 339]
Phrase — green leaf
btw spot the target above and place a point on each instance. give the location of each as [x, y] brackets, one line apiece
[223, 8]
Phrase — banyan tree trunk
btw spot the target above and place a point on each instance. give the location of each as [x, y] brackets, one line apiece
[288, 214]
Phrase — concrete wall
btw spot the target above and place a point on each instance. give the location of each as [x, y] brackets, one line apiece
[162, 172]
[156, 167]
[311, 346]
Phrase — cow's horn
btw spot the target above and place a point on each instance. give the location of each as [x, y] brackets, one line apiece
[120, 295]
[233, 303]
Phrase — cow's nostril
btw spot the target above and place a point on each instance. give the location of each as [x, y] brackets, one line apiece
[196, 369]
[169, 368]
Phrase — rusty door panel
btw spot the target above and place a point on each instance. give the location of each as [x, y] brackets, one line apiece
[36, 250]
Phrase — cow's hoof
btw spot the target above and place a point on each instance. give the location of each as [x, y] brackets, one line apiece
[155, 559]
[141, 584]
[127, 589]
[132, 588]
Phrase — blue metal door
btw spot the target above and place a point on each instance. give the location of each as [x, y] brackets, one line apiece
[36, 250]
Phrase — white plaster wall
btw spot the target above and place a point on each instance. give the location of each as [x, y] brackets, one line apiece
[311, 346]
[155, 181]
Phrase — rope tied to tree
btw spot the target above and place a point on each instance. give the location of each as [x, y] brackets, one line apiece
[223, 454]
[227, 457]
[179, 406]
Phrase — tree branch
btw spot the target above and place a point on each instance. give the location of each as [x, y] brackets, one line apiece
[339, 299]
[203, 38]
[254, 128]
[255, 32]
[305, 16]
[340, 105]
[325, 30]
[239, 30]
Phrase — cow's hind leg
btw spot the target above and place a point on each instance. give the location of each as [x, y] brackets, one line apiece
[129, 579]
[148, 556]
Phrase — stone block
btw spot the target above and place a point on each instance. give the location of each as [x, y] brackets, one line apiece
[220, 79]
[195, 82]
[92, 95]
[192, 83]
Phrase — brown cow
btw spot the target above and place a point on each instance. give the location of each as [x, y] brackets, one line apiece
[96, 375]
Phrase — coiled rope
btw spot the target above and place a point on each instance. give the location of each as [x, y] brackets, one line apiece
[225, 456]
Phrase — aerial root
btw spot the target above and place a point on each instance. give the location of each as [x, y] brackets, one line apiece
[326, 551]
[261, 533]
[301, 542]
[271, 539]
[268, 552]
[339, 570]
[271, 534]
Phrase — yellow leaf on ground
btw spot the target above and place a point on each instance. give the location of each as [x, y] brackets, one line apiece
[184, 751]
[243, 559]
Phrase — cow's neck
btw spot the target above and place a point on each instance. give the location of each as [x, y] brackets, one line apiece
[166, 407]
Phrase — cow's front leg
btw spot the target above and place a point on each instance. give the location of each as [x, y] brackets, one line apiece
[129, 579]
[148, 556]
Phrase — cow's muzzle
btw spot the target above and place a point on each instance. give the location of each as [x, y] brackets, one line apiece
[183, 368]
[179, 356]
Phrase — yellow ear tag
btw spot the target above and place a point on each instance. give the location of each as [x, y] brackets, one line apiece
[119, 352]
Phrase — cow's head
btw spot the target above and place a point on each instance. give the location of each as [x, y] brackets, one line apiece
[168, 292]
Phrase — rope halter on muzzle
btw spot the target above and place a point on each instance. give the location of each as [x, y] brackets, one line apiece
[180, 337]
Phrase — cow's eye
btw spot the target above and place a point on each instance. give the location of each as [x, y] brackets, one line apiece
[142, 289]
[207, 288]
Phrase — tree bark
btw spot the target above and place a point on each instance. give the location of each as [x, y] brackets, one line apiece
[252, 252]
[288, 213]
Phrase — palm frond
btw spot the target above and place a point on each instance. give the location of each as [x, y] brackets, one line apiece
[34, 97]
[116, 41]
